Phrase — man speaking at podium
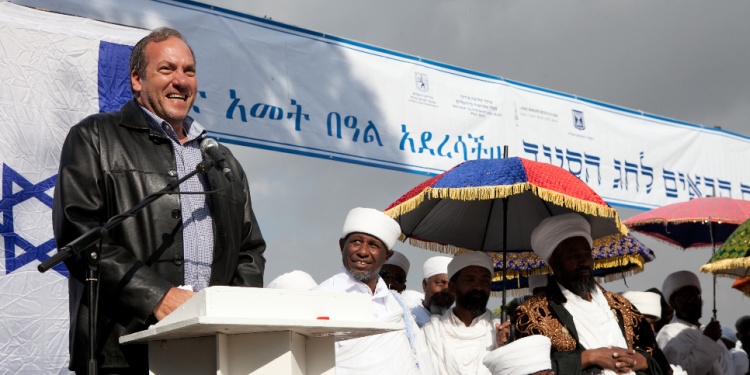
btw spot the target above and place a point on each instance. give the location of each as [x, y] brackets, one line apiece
[112, 161]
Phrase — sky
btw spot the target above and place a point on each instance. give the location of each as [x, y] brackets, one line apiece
[682, 60]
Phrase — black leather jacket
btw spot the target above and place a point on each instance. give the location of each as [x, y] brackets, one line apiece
[109, 163]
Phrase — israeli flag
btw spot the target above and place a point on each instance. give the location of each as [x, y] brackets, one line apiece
[54, 71]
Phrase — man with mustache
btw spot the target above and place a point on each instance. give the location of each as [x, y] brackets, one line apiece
[696, 349]
[394, 272]
[366, 243]
[461, 337]
[592, 330]
[437, 297]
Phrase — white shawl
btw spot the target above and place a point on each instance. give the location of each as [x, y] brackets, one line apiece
[456, 348]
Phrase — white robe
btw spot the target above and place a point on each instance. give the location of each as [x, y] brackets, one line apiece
[685, 345]
[457, 349]
[595, 322]
[740, 360]
[387, 353]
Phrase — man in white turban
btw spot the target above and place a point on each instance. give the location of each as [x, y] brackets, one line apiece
[366, 243]
[461, 337]
[591, 329]
[685, 343]
[294, 280]
[529, 355]
[647, 303]
[394, 271]
[437, 296]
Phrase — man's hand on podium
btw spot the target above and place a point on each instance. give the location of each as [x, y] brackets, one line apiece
[171, 301]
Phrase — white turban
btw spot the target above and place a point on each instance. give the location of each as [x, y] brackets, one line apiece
[678, 280]
[373, 222]
[296, 280]
[471, 258]
[435, 266]
[728, 333]
[521, 357]
[537, 281]
[400, 261]
[555, 229]
[648, 303]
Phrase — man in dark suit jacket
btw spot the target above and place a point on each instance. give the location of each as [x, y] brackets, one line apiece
[112, 161]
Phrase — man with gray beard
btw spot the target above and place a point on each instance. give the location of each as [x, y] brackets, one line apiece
[366, 243]
[437, 296]
[461, 337]
[592, 330]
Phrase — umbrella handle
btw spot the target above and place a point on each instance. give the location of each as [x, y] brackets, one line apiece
[713, 251]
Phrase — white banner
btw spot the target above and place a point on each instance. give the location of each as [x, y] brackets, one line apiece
[51, 71]
[275, 86]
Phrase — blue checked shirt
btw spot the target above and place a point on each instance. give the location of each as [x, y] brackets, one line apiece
[197, 223]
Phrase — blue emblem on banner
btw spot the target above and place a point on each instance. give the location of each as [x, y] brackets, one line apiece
[13, 240]
[578, 120]
[422, 82]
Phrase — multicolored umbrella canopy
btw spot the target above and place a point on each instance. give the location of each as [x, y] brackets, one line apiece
[686, 224]
[615, 257]
[731, 259]
[474, 204]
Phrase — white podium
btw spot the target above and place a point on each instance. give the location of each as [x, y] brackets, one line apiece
[233, 330]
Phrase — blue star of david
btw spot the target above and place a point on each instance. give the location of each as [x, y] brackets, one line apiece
[7, 230]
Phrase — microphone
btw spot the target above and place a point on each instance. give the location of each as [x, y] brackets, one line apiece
[211, 147]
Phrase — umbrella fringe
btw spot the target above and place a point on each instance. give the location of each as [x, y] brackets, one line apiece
[408, 205]
[620, 261]
[495, 192]
[720, 267]
[510, 293]
[619, 275]
[436, 247]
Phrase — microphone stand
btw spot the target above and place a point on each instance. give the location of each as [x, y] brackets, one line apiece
[87, 239]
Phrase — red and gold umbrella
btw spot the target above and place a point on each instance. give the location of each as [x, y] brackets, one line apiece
[475, 204]
[493, 205]
[695, 223]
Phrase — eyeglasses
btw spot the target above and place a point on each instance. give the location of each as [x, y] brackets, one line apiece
[393, 277]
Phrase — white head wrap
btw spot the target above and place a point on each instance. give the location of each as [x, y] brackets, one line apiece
[296, 280]
[537, 281]
[400, 261]
[727, 333]
[471, 258]
[373, 222]
[435, 266]
[521, 357]
[678, 280]
[555, 229]
[648, 303]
